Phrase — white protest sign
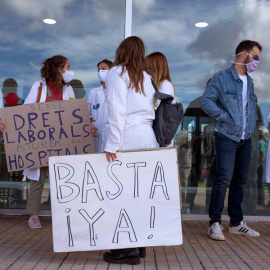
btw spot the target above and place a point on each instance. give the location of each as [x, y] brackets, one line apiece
[130, 202]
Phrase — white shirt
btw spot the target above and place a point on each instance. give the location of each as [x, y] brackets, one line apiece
[245, 104]
[166, 87]
[131, 114]
[98, 110]
[1, 102]
[268, 116]
[68, 93]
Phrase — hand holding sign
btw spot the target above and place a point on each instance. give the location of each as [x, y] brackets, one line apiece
[2, 127]
[110, 156]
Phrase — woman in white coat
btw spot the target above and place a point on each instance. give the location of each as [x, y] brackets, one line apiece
[131, 114]
[158, 68]
[267, 159]
[97, 106]
[56, 75]
[2, 125]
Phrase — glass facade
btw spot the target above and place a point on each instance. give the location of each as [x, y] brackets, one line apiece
[87, 31]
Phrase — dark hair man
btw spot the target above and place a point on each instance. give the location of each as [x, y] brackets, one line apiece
[229, 98]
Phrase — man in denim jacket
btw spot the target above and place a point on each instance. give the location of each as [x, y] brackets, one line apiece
[229, 98]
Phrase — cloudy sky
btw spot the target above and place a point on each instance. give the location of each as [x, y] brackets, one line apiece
[90, 30]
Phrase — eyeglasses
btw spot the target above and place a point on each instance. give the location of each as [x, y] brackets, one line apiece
[255, 57]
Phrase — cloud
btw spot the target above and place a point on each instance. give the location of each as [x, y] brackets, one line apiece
[218, 42]
[172, 32]
[6, 37]
[89, 30]
[37, 9]
[34, 66]
[76, 49]
[142, 7]
[108, 14]
[86, 76]
[5, 48]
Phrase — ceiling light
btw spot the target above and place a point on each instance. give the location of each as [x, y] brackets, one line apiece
[201, 24]
[49, 21]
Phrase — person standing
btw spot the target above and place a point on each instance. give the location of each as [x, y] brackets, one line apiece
[158, 68]
[55, 76]
[1, 106]
[267, 161]
[229, 98]
[97, 106]
[131, 114]
[184, 157]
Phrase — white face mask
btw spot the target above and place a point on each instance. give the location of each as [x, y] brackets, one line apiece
[102, 74]
[68, 75]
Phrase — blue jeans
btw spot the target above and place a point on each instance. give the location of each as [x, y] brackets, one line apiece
[232, 164]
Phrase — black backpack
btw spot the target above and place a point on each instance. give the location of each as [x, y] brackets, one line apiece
[168, 117]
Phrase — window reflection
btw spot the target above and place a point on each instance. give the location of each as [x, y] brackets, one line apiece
[85, 32]
[194, 55]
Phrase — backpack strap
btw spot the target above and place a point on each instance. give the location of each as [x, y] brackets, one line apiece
[160, 95]
[49, 92]
[163, 96]
[161, 122]
[155, 87]
[39, 92]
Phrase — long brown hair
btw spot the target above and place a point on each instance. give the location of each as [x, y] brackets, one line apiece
[131, 55]
[158, 68]
[49, 71]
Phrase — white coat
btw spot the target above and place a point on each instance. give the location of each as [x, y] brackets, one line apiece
[1, 102]
[267, 158]
[98, 110]
[68, 93]
[166, 87]
[130, 114]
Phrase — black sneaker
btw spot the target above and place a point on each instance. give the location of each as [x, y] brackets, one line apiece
[127, 256]
[142, 251]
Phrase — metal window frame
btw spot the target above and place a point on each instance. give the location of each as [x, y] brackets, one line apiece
[128, 19]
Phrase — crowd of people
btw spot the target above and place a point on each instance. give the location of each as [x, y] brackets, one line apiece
[122, 110]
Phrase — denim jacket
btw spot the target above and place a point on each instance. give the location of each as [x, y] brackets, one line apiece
[222, 100]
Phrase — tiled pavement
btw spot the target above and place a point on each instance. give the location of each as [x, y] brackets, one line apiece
[24, 248]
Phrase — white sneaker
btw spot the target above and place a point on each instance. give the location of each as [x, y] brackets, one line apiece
[243, 229]
[215, 232]
[34, 222]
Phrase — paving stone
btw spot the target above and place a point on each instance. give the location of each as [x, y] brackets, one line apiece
[24, 249]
